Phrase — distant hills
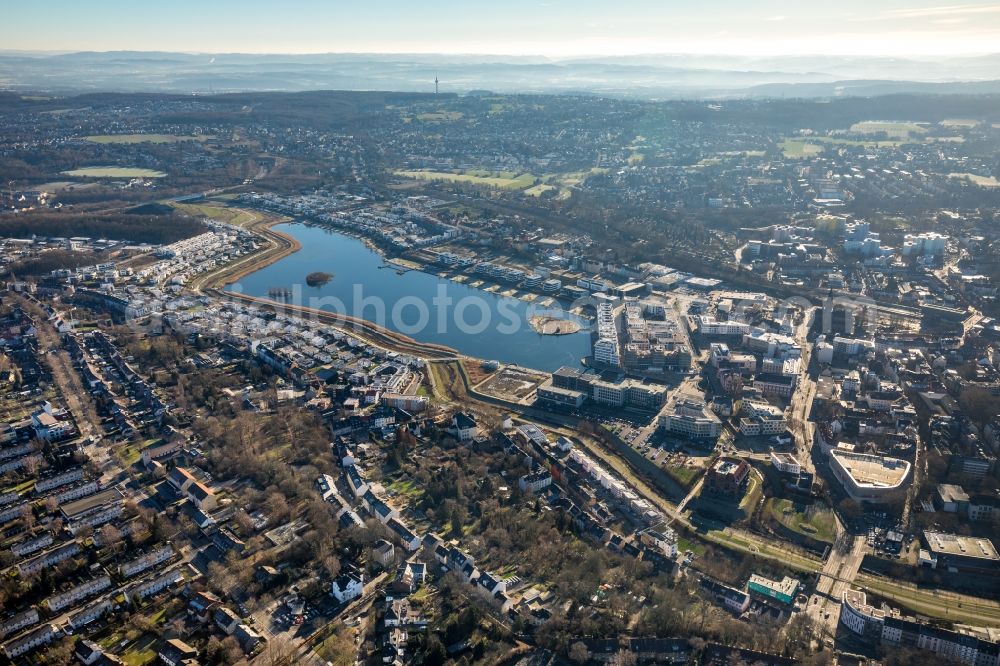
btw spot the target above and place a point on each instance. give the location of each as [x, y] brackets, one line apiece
[653, 76]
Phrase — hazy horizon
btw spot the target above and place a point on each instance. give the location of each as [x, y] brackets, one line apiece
[551, 29]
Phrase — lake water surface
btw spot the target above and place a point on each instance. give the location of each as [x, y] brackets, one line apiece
[423, 306]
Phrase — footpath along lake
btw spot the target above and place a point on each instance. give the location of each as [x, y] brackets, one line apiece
[423, 306]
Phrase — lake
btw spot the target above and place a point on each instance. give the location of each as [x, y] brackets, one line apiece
[423, 306]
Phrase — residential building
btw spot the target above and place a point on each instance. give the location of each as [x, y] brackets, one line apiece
[727, 476]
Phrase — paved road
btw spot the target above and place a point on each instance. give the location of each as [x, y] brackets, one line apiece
[65, 377]
[836, 577]
[802, 399]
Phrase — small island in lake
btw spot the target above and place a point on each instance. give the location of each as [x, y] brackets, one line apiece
[553, 325]
[318, 278]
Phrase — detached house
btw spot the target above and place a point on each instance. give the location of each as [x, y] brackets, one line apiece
[226, 619]
[347, 586]
[463, 427]
[176, 652]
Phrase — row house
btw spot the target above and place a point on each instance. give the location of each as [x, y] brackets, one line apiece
[155, 585]
[24, 644]
[29, 546]
[146, 561]
[18, 622]
[61, 479]
[91, 613]
[71, 596]
[76, 492]
[49, 558]
[96, 517]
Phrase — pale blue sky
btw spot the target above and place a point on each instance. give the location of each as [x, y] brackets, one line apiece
[536, 27]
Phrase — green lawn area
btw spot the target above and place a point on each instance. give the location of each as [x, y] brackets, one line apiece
[114, 172]
[130, 455]
[813, 145]
[684, 474]
[563, 182]
[221, 212]
[816, 522]
[406, 487]
[574, 177]
[799, 148]
[142, 652]
[539, 189]
[22, 487]
[144, 138]
[684, 544]
[504, 180]
[753, 493]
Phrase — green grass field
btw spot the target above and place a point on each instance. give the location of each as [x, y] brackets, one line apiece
[686, 475]
[813, 145]
[817, 523]
[539, 190]
[503, 180]
[232, 215]
[794, 148]
[114, 172]
[144, 138]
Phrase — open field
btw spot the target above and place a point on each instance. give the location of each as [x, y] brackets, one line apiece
[439, 116]
[222, 213]
[901, 129]
[799, 148]
[530, 184]
[539, 189]
[504, 180]
[574, 177]
[981, 181]
[114, 172]
[511, 383]
[959, 122]
[144, 138]
[60, 185]
[566, 181]
[816, 521]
